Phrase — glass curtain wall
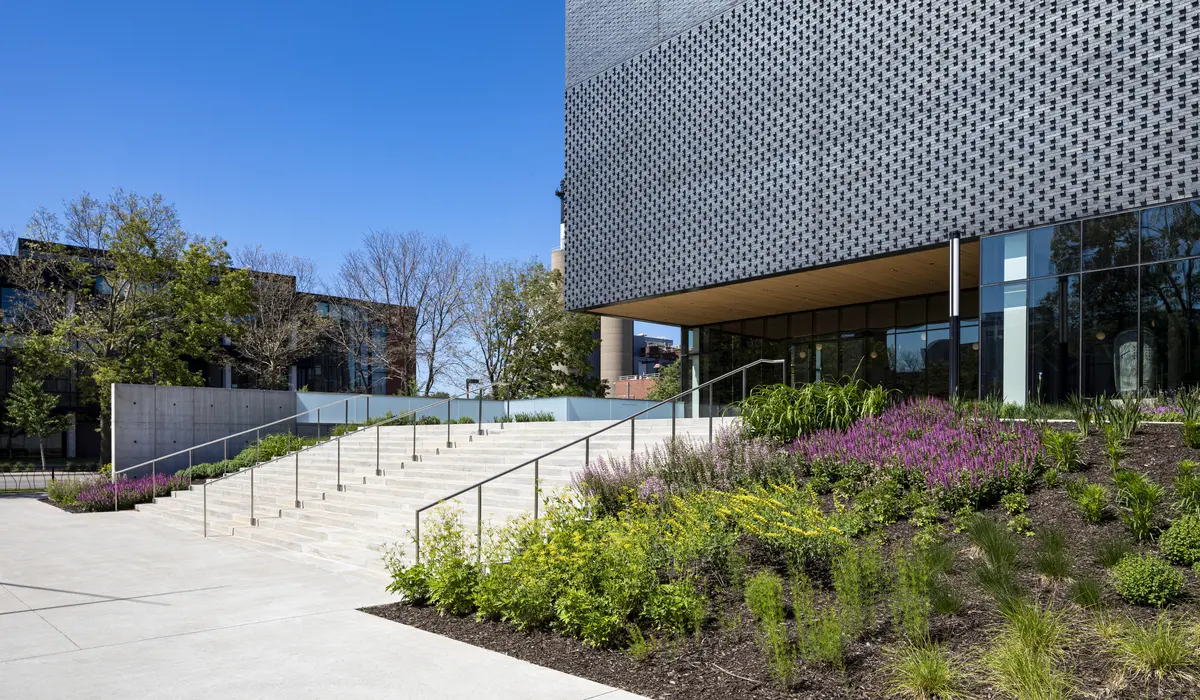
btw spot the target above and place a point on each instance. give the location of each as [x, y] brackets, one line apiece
[1102, 306]
[902, 344]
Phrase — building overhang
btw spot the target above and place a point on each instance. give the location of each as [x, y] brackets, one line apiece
[925, 271]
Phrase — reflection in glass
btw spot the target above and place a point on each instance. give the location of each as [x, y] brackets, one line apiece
[937, 360]
[1171, 324]
[825, 358]
[1054, 337]
[1110, 333]
[907, 351]
[852, 352]
[1002, 316]
[968, 368]
[1054, 250]
[1003, 258]
[1171, 232]
[1110, 242]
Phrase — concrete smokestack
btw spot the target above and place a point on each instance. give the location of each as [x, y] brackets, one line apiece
[616, 349]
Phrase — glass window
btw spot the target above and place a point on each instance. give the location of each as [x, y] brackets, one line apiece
[968, 368]
[1054, 250]
[1003, 258]
[1003, 352]
[939, 308]
[852, 352]
[937, 361]
[1110, 242]
[732, 326]
[907, 351]
[968, 304]
[877, 369]
[1110, 333]
[1054, 338]
[825, 359]
[1171, 232]
[802, 363]
[754, 327]
[1171, 325]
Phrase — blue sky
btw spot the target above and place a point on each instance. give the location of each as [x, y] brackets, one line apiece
[295, 125]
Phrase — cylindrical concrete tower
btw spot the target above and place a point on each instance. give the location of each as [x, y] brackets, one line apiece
[616, 349]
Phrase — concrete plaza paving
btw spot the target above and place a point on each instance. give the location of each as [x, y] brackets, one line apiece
[119, 605]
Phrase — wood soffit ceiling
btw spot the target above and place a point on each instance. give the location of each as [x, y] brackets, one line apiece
[908, 274]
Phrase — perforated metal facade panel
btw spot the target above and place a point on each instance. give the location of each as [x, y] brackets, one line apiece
[779, 135]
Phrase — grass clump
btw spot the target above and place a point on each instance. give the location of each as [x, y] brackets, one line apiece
[1159, 649]
[1087, 593]
[1187, 488]
[1112, 550]
[911, 596]
[1052, 559]
[1147, 580]
[1025, 659]
[996, 574]
[783, 412]
[858, 578]
[923, 672]
[764, 597]
[1091, 499]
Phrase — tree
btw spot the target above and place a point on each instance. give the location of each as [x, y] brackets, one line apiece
[31, 410]
[668, 383]
[524, 338]
[419, 285]
[134, 298]
[283, 325]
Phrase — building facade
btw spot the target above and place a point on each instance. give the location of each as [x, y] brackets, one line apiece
[345, 366]
[800, 170]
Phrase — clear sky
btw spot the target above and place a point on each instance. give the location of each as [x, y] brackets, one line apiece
[296, 125]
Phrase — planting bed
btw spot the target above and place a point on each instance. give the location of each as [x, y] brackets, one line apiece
[725, 657]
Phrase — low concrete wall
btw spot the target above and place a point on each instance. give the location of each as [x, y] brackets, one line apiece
[152, 421]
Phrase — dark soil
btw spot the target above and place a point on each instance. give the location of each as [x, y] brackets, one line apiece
[725, 662]
[70, 509]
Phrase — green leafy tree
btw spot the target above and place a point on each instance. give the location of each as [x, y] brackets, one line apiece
[31, 410]
[523, 336]
[117, 291]
[668, 383]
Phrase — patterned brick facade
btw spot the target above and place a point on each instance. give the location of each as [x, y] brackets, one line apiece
[713, 141]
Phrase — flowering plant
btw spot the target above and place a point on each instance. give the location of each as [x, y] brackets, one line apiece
[129, 492]
[963, 460]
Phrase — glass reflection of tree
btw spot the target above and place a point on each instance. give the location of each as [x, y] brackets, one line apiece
[1171, 232]
[1111, 241]
[1169, 313]
[1110, 329]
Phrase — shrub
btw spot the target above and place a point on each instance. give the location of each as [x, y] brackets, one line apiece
[448, 574]
[67, 489]
[962, 461]
[781, 412]
[1112, 550]
[880, 503]
[1015, 503]
[1181, 542]
[465, 420]
[1147, 580]
[858, 576]
[764, 597]
[429, 420]
[820, 634]
[1191, 433]
[1137, 500]
[922, 672]
[683, 466]
[1050, 477]
[588, 616]
[1063, 450]
[1086, 593]
[911, 597]
[1157, 650]
[1091, 499]
[675, 607]
[529, 417]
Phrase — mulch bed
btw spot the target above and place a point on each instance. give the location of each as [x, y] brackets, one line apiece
[70, 509]
[725, 661]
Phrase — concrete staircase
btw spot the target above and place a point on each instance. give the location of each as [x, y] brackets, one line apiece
[376, 507]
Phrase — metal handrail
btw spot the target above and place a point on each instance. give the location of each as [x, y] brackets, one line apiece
[586, 440]
[338, 439]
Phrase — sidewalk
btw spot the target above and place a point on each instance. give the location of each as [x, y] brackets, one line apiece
[117, 605]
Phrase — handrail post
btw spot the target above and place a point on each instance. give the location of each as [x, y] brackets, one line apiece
[318, 425]
[672, 419]
[743, 386]
[257, 454]
[377, 451]
[367, 419]
[479, 524]
[536, 479]
[297, 478]
[632, 440]
[448, 443]
[783, 372]
[225, 442]
[417, 536]
[204, 489]
[339, 463]
[587, 450]
[153, 479]
[710, 412]
[480, 424]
